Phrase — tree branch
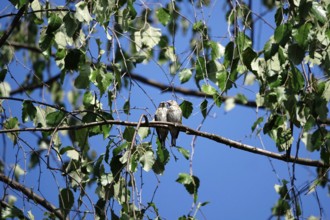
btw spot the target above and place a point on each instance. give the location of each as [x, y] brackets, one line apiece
[188, 131]
[31, 195]
[15, 21]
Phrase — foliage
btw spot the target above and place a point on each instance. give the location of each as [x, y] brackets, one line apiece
[78, 75]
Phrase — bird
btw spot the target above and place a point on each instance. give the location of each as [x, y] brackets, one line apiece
[174, 114]
[160, 115]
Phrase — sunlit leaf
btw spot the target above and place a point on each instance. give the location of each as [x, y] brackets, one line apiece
[147, 160]
[185, 75]
[208, 89]
[82, 13]
[163, 16]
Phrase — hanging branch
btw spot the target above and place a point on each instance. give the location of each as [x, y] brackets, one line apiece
[32, 195]
[188, 131]
[13, 24]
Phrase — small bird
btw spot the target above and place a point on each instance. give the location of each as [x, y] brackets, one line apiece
[174, 114]
[160, 115]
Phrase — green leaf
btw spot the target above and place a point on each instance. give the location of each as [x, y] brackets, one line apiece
[163, 156]
[203, 107]
[147, 160]
[242, 41]
[186, 108]
[54, 118]
[301, 34]
[184, 152]
[129, 133]
[54, 23]
[256, 123]
[248, 56]
[163, 16]
[11, 123]
[45, 41]
[208, 89]
[282, 33]
[66, 200]
[200, 69]
[185, 75]
[127, 107]
[3, 74]
[229, 54]
[296, 53]
[191, 183]
[217, 50]
[270, 48]
[73, 58]
[28, 111]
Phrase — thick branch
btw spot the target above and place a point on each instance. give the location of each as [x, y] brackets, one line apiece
[31, 195]
[188, 131]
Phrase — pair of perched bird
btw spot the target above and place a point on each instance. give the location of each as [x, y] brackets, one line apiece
[168, 111]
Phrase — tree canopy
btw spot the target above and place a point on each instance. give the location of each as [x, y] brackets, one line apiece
[80, 82]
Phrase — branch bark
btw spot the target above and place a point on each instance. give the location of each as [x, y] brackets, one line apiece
[188, 131]
[15, 21]
[31, 195]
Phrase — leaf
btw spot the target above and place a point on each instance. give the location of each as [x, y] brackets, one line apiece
[186, 108]
[11, 123]
[54, 23]
[185, 75]
[147, 160]
[151, 36]
[248, 56]
[200, 69]
[319, 12]
[163, 156]
[73, 58]
[129, 133]
[230, 104]
[54, 118]
[127, 107]
[28, 111]
[66, 200]
[301, 34]
[270, 48]
[3, 74]
[191, 183]
[203, 107]
[296, 53]
[143, 132]
[163, 16]
[282, 33]
[256, 123]
[217, 50]
[82, 13]
[184, 152]
[45, 41]
[208, 89]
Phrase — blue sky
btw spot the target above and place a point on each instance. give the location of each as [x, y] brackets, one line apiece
[237, 184]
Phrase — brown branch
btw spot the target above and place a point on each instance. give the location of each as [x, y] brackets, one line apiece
[188, 131]
[31, 195]
[15, 21]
